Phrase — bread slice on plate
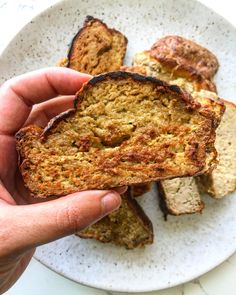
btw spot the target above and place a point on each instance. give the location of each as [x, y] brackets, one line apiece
[128, 226]
[185, 55]
[182, 62]
[222, 180]
[125, 129]
[182, 54]
[96, 49]
[179, 196]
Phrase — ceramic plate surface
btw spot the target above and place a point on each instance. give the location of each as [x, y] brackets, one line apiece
[186, 246]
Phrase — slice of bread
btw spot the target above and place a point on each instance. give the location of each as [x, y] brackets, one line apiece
[128, 226]
[222, 180]
[188, 56]
[96, 48]
[179, 196]
[127, 129]
[203, 90]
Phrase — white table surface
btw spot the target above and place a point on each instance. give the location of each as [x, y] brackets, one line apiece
[38, 279]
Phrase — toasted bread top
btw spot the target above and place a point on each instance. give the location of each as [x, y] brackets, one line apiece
[176, 51]
[96, 49]
[127, 129]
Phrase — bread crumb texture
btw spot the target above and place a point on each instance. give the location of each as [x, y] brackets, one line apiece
[127, 129]
[96, 48]
[128, 226]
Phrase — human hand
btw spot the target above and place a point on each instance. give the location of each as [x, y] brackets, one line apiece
[33, 98]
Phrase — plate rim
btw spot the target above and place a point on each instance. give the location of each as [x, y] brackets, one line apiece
[220, 262]
[95, 286]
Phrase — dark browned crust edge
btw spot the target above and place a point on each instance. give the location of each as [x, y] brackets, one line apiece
[161, 199]
[162, 203]
[138, 210]
[133, 204]
[191, 103]
[54, 122]
[20, 135]
[88, 19]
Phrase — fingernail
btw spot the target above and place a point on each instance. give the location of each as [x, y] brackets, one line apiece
[121, 190]
[110, 202]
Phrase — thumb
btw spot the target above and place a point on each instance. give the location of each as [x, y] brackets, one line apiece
[41, 223]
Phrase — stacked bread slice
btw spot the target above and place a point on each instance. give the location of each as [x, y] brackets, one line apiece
[185, 63]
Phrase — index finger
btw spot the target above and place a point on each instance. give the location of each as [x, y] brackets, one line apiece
[18, 95]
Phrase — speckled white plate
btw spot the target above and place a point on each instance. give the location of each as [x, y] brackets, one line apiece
[184, 247]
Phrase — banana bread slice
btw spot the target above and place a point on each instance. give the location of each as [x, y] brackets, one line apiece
[179, 196]
[188, 56]
[128, 226]
[222, 180]
[96, 49]
[125, 129]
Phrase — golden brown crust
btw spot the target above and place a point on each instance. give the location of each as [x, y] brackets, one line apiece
[176, 51]
[128, 226]
[96, 49]
[113, 140]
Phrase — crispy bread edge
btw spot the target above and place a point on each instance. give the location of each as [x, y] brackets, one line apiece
[91, 19]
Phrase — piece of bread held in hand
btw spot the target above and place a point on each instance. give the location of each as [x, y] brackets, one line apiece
[96, 48]
[125, 129]
[128, 226]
